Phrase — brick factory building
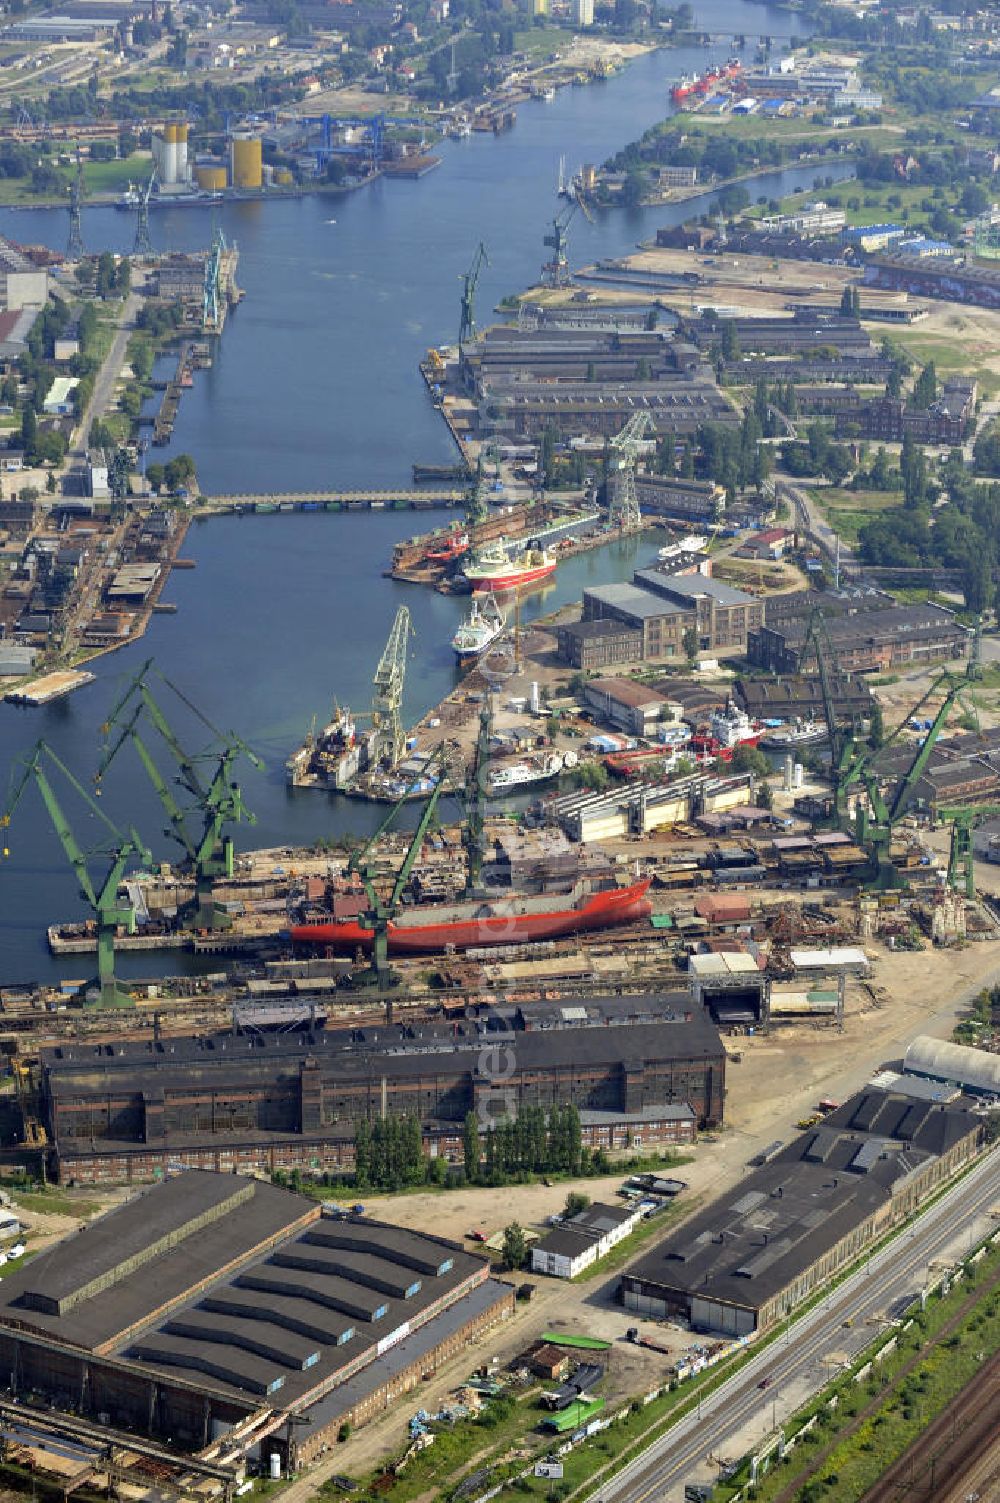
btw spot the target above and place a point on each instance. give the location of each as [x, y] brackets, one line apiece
[871, 641]
[127, 1112]
[214, 1308]
[751, 1256]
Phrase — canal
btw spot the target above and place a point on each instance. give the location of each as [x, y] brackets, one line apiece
[316, 383]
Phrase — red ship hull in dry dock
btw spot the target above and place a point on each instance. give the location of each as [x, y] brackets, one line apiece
[471, 925]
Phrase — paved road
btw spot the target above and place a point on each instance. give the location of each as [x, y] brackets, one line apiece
[104, 383]
[811, 1350]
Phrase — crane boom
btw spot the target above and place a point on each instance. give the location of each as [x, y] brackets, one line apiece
[470, 280]
[390, 676]
[101, 898]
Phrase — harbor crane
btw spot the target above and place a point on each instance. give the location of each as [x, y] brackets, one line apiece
[470, 280]
[74, 244]
[390, 676]
[382, 910]
[841, 739]
[961, 852]
[626, 446]
[143, 244]
[876, 820]
[555, 272]
[218, 799]
[475, 803]
[110, 913]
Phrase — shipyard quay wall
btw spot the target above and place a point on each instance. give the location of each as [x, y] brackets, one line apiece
[126, 1112]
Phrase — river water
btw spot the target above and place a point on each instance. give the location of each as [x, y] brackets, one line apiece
[315, 383]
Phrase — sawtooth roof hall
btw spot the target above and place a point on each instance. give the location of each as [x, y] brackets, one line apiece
[213, 1301]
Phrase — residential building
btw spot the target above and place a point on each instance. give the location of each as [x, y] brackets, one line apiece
[583, 12]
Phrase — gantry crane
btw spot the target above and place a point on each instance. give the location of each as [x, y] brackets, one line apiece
[623, 503]
[475, 803]
[143, 244]
[875, 822]
[470, 280]
[102, 897]
[840, 739]
[387, 700]
[382, 910]
[555, 271]
[961, 852]
[74, 244]
[218, 799]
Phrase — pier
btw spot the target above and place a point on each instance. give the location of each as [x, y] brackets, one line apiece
[425, 498]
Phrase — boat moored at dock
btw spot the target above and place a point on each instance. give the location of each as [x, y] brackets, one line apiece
[480, 629]
[436, 927]
[497, 567]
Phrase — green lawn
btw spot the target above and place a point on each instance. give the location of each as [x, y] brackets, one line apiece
[539, 41]
[848, 511]
[51, 1203]
[110, 177]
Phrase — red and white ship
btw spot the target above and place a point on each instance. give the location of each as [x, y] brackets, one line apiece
[698, 86]
[436, 927]
[727, 729]
[495, 567]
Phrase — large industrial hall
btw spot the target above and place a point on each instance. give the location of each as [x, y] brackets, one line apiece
[228, 1316]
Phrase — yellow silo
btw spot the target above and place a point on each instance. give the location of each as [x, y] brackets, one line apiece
[211, 176]
[247, 162]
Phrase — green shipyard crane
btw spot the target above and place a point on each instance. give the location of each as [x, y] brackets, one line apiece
[102, 897]
[475, 802]
[874, 824]
[470, 280]
[626, 446]
[218, 799]
[381, 911]
[840, 739]
[961, 853]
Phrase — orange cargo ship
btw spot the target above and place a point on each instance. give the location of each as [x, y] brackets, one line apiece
[501, 921]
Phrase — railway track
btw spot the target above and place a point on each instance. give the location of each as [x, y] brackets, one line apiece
[956, 1456]
[898, 1488]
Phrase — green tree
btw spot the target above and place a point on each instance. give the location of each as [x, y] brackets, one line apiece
[155, 474]
[730, 340]
[925, 387]
[29, 431]
[362, 1151]
[515, 1246]
[471, 1146]
[690, 644]
[575, 1203]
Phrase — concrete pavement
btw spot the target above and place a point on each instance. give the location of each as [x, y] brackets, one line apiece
[811, 1349]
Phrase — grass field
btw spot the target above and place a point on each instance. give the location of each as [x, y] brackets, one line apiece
[848, 511]
[51, 1203]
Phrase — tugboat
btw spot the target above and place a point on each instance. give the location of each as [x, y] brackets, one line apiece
[796, 733]
[480, 629]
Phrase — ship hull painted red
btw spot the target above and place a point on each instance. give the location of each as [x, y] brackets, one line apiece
[601, 910]
[512, 581]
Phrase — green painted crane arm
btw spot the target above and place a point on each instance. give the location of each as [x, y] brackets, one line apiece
[967, 813]
[60, 824]
[189, 772]
[402, 876]
[171, 807]
[920, 761]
